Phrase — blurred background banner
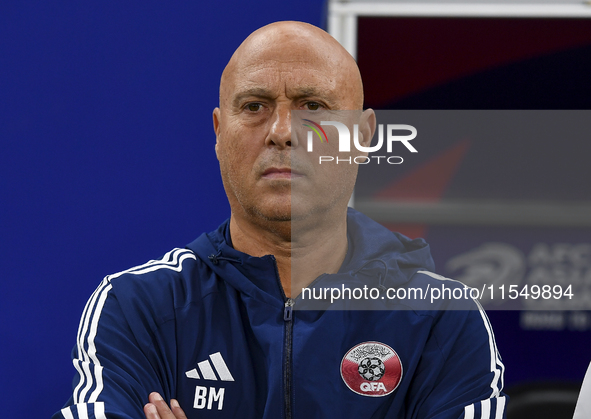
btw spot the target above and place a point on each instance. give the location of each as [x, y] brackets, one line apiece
[514, 180]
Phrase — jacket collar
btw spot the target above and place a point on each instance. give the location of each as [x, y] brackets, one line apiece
[376, 257]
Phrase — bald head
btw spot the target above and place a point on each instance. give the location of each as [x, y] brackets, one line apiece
[286, 47]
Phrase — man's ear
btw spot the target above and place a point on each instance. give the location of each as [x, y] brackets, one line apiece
[367, 126]
[216, 128]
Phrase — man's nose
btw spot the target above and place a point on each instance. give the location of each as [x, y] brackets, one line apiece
[280, 132]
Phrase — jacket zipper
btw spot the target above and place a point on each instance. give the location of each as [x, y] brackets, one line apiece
[287, 317]
[287, 345]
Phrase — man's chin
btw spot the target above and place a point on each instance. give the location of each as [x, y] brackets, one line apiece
[273, 214]
[282, 215]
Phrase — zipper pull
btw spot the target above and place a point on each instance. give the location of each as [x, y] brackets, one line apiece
[288, 308]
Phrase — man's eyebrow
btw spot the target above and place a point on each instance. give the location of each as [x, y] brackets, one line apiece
[314, 93]
[296, 93]
[259, 92]
[301, 92]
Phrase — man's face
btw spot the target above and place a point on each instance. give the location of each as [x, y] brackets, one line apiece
[267, 171]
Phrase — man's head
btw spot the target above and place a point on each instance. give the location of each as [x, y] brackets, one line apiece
[280, 68]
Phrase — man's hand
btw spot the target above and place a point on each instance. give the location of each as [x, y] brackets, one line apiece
[158, 409]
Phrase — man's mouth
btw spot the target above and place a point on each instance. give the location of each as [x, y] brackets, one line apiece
[281, 173]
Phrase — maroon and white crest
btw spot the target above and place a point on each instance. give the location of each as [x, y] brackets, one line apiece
[371, 369]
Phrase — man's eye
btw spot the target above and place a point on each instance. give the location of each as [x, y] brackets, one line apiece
[313, 106]
[254, 107]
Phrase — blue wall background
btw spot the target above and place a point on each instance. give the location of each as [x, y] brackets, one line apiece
[107, 159]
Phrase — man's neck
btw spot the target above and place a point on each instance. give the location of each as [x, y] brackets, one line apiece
[303, 250]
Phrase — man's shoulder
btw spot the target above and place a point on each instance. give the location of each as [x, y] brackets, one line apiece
[169, 267]
[177, 278]
[376, 251]
[429, 278]
[457, 314]
[431, 291]
[177, 265]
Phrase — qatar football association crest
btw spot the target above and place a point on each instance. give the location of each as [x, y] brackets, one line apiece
[371, 369]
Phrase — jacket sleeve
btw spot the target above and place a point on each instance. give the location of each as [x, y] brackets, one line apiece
[465, 370]
[115, 372]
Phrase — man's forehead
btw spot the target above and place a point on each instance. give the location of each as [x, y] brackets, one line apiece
[296, 62]
[287, 60]
[296, 81]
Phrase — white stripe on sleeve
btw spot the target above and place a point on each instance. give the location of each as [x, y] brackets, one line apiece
[88, 381]
[77, 364]
[98, 373]
[500, 407]
[82, 411]
[497, 356]
[469, 412]
[92, 349]
[99, 410]
[493, 365]
[485, 409]
[91, 353]
[67, 414]
[82, 328]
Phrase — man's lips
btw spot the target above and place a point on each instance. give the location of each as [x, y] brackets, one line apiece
[280, 173]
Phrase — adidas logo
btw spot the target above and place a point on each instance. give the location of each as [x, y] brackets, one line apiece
[207, 371]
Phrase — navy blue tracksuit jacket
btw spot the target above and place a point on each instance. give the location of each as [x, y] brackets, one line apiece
[211, 327]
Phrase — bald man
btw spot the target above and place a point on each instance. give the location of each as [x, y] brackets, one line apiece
[213, 330]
